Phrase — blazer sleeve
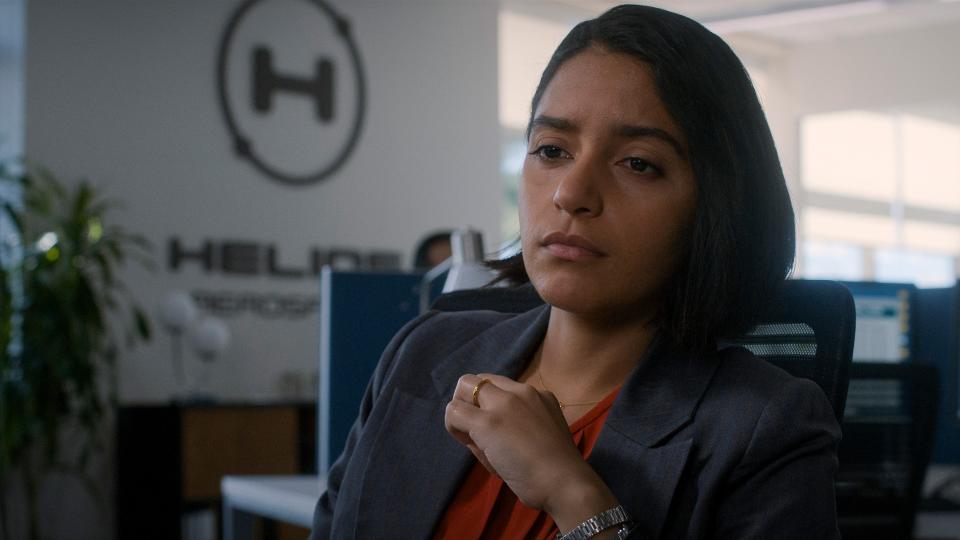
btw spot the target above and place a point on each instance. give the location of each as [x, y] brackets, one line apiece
[783, 486]
[323, 513]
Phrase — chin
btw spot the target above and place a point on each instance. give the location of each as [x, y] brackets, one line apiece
[591, 295]
[569, 293]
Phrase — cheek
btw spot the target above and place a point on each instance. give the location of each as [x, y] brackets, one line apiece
[530, 200]
[522, 204]
[527, 219]
[657, 237]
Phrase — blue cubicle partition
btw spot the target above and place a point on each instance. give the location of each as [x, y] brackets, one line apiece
[936, 325]
[359, 313]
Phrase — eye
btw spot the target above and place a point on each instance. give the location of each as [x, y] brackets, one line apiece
[640, 165]
[550, 152]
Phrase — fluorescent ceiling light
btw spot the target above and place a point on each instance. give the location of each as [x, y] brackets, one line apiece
[778, 19]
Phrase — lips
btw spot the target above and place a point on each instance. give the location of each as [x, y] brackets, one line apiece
[571, 247]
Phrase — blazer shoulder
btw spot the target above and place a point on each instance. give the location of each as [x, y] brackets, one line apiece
[777, 452]
[752, 379]
[444, 331]
[755, 389]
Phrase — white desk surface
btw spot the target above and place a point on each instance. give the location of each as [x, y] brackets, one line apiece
[937, 525]
[290, 499]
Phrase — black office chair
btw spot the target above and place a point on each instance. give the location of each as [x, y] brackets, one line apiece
[807, 330]
[887, 441]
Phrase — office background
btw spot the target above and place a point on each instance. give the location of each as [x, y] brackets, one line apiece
[862, 98]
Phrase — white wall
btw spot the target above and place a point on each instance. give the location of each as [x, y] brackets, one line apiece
[877, 72]
[124, 93]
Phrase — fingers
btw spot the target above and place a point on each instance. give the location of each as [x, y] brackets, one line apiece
[458, 419]
[505, 383]
[495, 390]
[467, 387]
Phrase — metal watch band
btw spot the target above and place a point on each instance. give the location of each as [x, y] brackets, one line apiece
[600, 522]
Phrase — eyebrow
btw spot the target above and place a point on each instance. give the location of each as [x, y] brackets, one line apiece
[626, 131]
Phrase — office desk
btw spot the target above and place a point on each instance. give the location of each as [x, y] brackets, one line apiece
[291, 499]
[288, 499]
[937, 526]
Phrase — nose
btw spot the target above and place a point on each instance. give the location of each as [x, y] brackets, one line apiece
[578, 192]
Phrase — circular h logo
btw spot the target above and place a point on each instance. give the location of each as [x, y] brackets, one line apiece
[291, 88]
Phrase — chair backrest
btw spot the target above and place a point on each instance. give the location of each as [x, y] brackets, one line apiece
[887, 441]
[808, 328]
[808, 331]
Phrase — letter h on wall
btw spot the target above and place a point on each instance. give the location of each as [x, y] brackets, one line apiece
[266, 82]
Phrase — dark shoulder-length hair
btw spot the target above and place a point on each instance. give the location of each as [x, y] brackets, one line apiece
[742, 242]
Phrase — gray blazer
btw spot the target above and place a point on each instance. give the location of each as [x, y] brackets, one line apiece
[695, 446]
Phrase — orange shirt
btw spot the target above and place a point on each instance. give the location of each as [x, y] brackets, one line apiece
[485, 507]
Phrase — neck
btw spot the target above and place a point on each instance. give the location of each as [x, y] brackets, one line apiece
[583, 359]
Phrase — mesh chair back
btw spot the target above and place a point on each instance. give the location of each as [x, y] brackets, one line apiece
[808, 328]
[808, 331]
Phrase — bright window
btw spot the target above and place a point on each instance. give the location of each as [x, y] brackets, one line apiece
[886, 184]
[931, 163]
[848, 227]
[850, 153]
[923, 269]
[827, 260]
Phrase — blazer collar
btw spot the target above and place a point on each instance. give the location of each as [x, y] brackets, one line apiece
[503, 349]
[659, 397]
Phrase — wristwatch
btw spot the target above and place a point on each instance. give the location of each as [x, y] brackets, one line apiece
[601, 522]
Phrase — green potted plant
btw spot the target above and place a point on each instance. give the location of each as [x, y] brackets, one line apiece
[63, 313]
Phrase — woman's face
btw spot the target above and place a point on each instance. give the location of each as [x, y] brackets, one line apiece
[608, 194]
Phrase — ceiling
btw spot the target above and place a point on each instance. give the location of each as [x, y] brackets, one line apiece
[785, 21]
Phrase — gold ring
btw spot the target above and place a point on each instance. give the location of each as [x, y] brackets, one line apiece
[476, 392]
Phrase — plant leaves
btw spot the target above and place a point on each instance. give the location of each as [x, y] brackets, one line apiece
[69, 349]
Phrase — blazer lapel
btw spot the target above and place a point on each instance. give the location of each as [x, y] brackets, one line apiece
[408, 501]
[642, 478]
[634, 453]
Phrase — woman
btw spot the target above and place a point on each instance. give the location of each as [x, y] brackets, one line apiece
[654, 221]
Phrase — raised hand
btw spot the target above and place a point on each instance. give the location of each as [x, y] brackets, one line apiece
[519, 433]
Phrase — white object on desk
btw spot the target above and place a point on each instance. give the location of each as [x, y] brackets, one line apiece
[290, 499]
[937, 525]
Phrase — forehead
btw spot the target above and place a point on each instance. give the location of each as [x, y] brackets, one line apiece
[602, 88]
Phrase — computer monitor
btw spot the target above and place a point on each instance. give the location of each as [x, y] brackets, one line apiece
[884, 329]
